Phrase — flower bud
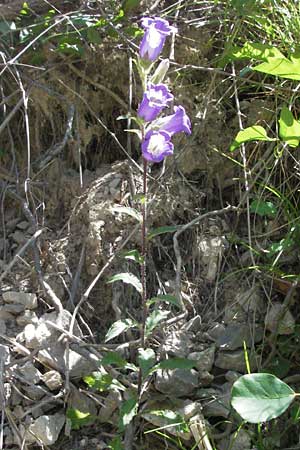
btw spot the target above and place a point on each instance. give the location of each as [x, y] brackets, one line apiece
[160, 72]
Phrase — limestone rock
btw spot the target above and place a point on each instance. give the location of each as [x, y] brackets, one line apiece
[176, 382]
[235, 360]
[55, 356]
[205, 359]
[45, 430]
[235, 335]
[177, 343]
[286, 320]
[27, 318]
[28, 300]
[30, 373]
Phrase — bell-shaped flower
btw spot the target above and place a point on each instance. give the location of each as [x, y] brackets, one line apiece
[156, 146]
[157, 30]
[154, 100]
[175, 123]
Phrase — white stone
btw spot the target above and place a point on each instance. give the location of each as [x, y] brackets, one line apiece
[29, 335]
[46, 429]
[28, 300]
[30, 372]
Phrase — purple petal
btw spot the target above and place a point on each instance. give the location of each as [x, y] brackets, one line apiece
[156, 146]
[175, 123]
[154, 38]
[154, 100]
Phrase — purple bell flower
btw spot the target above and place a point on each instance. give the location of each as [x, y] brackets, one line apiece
[157, 30]
[175, 123]
[154, 100]
[156, 146]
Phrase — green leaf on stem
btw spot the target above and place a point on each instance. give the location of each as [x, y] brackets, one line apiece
[127, 413]
[103, 382]
[163, 230]
[254, 133]
[154, 319]
[127, 278]
[118, 327]
[289, 128]
[146, 359]
[133, 255]
[260, 397]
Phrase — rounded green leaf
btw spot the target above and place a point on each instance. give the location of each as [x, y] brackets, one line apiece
[260, 397]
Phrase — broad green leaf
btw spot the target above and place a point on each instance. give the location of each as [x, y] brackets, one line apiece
[127, 413]
[255, 50]
[166, 418]
[127, 278]
[281, 67]
[176, 363]
[146, 359]
[289, 128]
[254, 133]
[263, 209]
[79, 419]
[103, 382]
[129, 211]
[163, 230]
[118, 327]
[154, 319]
[260, 397]
[166, 298]
[133, 255]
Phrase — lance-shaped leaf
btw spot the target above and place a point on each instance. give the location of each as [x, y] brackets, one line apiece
[254, 133]
[146, 360]
[127, 278]
[163, 230]
[154, 319]
[260, 397]
[127, 413]
[118, 327]
[289, 128]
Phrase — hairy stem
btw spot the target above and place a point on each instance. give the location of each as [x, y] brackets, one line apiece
[144, 254]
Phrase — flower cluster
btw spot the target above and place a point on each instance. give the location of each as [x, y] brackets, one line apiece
[156, 144]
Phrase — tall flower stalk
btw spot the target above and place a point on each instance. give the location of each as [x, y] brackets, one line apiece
[156, 131]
